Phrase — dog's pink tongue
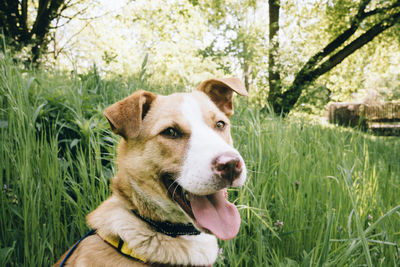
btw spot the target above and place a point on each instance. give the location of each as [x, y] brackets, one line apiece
[216, 214]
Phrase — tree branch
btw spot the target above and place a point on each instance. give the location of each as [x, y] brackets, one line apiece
[69, 18]
[59, 51]
[24, 19]
[383, 10]
[338, 41]
[41, 13]
[10, 11]
[356, 44]
[45, 14]
[309, 73]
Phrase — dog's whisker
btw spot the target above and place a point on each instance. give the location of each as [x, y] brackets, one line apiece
[176, 187]
[169, 187]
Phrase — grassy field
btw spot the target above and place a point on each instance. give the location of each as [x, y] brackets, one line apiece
[315, 196]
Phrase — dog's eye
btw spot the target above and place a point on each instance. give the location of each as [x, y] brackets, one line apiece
[220, 125]
[171, 132]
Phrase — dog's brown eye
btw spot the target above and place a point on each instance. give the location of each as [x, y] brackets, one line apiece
[220, 125]
[171, 132]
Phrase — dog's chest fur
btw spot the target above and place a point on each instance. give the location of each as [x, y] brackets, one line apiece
[113, 219]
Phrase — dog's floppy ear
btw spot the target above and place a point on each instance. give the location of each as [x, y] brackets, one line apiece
[221, 91]
[125, 117]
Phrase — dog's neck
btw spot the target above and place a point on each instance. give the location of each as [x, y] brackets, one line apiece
[114, 218]
[168, 228]
[149, 207]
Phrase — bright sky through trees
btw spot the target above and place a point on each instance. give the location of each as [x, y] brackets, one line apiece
[117, 35]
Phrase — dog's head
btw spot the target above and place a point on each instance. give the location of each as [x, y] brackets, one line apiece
[176, 159]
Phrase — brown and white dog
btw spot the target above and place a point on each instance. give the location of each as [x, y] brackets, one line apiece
[175, 161]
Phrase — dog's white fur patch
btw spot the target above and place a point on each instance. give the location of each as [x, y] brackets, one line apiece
[204, 145]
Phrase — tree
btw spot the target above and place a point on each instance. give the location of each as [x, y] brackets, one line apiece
[274, 78]
[239, 39]
[370, 20]
[15, 23]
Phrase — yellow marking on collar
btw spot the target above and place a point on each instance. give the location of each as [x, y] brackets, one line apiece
[114, 241]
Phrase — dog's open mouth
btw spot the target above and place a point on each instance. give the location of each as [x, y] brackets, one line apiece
[213, 212]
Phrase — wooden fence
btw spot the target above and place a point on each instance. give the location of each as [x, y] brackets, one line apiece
[380, 119]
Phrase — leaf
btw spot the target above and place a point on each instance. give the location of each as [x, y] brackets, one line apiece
[144, 63]
[37, 111]
[3, 124]
[327, 237]
[14, 209]
[5, 254]
[143, 68]
[306, 259]
[29, 83]
[74, 143]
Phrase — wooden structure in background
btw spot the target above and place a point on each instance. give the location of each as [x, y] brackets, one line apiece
[380, 119]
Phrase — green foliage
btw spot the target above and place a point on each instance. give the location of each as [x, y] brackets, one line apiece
[239, 44]
[188, 41]
[314, 100]
[314, 196]
[122, 33]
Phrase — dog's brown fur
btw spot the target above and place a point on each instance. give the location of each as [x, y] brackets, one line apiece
[143, 156]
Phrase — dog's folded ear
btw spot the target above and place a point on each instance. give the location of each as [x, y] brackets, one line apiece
[125, 117]
[221, 91]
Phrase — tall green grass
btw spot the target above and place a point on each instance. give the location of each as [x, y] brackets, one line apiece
[315, 196]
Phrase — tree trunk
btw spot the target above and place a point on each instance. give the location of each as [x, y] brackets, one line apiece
[274, 78]
[13, 22]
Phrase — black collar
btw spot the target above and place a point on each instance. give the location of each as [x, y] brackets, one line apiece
[170, 229]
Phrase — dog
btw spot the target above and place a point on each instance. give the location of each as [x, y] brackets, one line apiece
[169, 199]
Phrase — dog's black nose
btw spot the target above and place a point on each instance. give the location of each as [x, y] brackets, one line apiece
[227, 165]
